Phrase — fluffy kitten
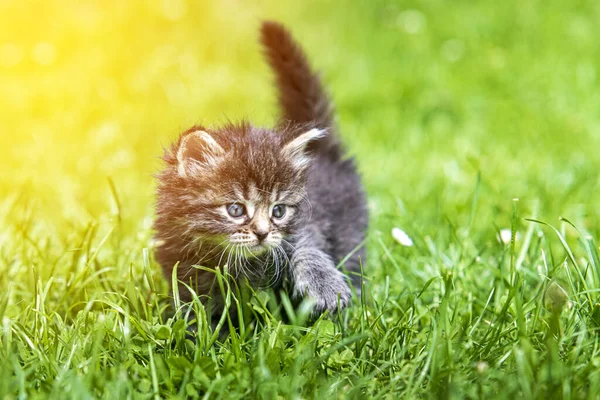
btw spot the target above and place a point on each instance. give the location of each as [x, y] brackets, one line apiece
[274, 205]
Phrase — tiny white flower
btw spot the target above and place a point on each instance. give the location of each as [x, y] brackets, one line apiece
[481, 367]
[401, 237]
[506, 234]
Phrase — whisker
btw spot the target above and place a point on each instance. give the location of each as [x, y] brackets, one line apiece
[287, 261]
[222, 254]
[289, 244]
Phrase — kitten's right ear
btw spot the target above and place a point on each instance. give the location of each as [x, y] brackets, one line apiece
[296, 150]
[197, 151]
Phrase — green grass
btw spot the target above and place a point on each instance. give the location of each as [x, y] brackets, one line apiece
[452, 109]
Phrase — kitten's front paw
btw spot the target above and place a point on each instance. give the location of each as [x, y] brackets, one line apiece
[329, 291]
[333, 295]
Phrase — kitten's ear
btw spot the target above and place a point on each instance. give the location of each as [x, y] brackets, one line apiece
[197, 150]
[296, 150]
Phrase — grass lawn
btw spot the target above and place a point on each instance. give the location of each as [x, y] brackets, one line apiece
[476, 126]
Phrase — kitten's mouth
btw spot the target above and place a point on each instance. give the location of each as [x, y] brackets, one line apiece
[257, 249]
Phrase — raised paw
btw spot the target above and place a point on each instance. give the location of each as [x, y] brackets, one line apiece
[333, 295]
[328, 288]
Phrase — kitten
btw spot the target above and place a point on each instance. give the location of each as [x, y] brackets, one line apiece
[274, 205]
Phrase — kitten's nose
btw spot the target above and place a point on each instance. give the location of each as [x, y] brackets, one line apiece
[261, 235]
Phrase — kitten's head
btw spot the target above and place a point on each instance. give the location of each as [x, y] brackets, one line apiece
[239, 187]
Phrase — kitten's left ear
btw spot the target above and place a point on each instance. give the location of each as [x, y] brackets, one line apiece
[296, 150]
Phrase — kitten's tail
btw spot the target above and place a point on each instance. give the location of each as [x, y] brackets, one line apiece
[302, 99]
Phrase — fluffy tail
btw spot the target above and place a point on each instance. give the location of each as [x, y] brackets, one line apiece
[302, 99]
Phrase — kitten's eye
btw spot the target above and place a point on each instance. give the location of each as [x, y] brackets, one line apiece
[279, 211]
[235, 210]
